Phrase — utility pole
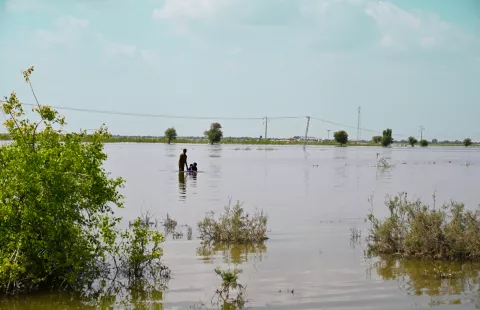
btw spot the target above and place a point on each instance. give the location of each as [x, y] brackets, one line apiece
[358, 123]
[328, 131]
[306, 133]
[266, 127]
[421, 132]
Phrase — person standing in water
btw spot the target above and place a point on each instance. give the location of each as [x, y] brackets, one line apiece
[182, 161]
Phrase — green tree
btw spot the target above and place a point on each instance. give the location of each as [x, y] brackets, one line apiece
[214, 134]
[171, 134]
[412, 141]
[387, 139]
[467, 142]
[423, 143]
[377, 139]
[341, 137]
[57, 203]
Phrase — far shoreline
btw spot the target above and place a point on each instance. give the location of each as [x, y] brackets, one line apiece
[262, 142]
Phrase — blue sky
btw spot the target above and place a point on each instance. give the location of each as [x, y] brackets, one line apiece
[405, 62]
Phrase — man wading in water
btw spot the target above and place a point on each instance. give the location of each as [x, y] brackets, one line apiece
[182, 161]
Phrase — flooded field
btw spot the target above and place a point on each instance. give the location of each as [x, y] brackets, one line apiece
[313, 199]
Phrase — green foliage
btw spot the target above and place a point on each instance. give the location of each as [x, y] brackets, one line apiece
[467, 142]
[57, 203]
[387, 139]
[214, 134]
[376, 139]
[140, 250]
[423, 143]
[234, 226]
[228, 286]
[171, 134]
[412, 141]
[414, 229]
[341, 137]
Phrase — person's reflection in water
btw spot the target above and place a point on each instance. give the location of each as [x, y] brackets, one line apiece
[193, 175]
[182, 186]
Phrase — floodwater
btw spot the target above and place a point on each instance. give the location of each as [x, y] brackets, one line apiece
[313, 198]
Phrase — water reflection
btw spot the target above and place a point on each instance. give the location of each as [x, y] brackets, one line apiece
[232, 253]
[445, 282]
[193, 176]
[215, 150]
[105, 294]
[182, 186]
[170, 151]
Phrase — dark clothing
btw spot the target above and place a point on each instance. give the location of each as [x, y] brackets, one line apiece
[182, 161]
[194, 168]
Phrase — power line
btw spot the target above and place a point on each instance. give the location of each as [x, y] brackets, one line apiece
[158, 115]
[200, 117]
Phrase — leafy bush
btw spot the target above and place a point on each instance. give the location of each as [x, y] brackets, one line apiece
[423, 143]
[234, 226]
[377, 139]
[341, 137]
[414, 229]
[228, 286]
[387, 139]
[215, 133]
[467, 142]
[140, 250]
[412, 141]
[171, 134]
[57, 219]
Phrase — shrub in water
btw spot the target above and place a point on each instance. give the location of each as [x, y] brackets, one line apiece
[234, 226]
[414, 229]
[57, 222]
[228, 286]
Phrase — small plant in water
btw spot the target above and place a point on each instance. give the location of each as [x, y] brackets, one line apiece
[414, 229]
[170, 225]
[383, 163]
[234, 226]
[355, 234]
[228, 288]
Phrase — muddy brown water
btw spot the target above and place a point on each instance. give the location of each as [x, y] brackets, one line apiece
[313, 198]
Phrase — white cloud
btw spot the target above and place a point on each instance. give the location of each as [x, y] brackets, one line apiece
[149, 55]
[412, 30]
[115, 49]
[67, 30]
[23, 5]
[190, 9]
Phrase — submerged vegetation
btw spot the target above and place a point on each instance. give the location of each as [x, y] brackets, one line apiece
[57, 208]
[414, 229]
[230, 295]
[234, 226]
